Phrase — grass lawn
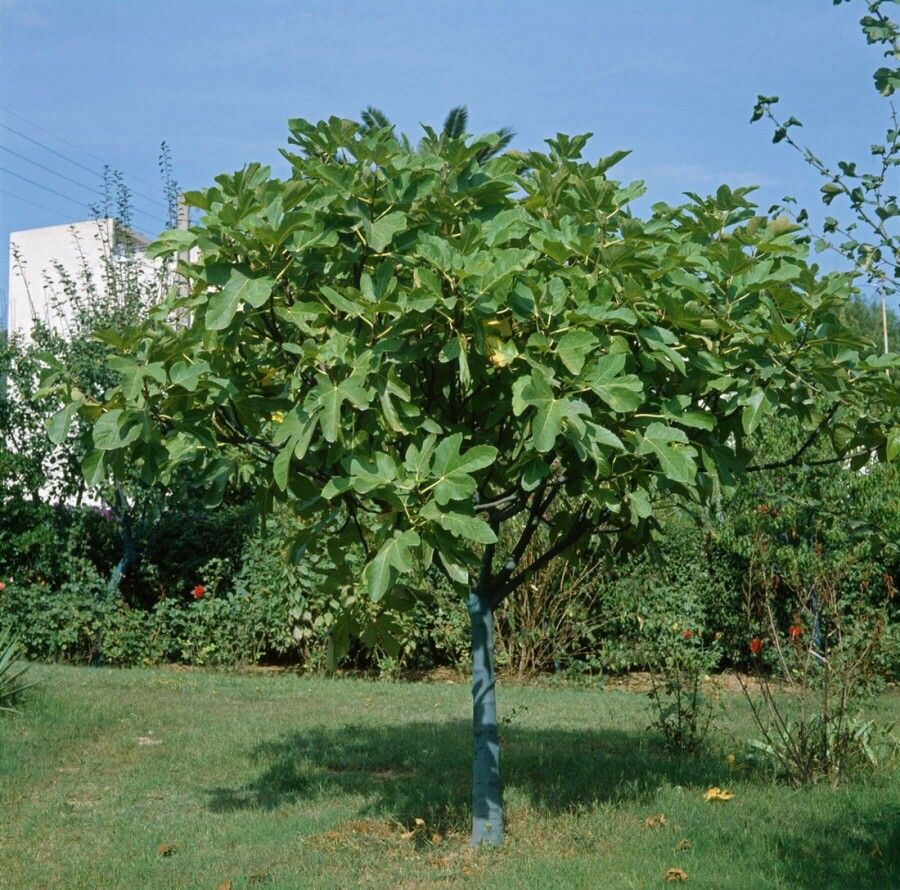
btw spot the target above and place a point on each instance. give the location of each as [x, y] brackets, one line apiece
[279, 781]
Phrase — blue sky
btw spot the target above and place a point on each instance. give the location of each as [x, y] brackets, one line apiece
[217, 79]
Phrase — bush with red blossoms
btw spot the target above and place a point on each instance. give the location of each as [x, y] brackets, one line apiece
[810, 686]
[684, 698]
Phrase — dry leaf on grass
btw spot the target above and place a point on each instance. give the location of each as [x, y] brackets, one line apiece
[683, 844]
[165, 849]
[657, 821]
[225, 885]
[676, 874]
[716, 793]
[408, 835]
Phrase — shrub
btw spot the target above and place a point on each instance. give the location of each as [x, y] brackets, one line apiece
[11, 684]
[814, 670]
[640, 598]
[684, 706]
[553, 622]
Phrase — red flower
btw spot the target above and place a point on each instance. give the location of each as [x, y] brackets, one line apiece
[687, 633]
[756, 645]
[198, 591]
[794, 631]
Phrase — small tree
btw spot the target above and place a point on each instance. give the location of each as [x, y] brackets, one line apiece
[38, 456]
[414, 347]
[867, 235]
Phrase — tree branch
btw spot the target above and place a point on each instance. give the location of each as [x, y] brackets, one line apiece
[499, 502]
[484, 576]
[536, 509]
[579, 528]
[810, 439]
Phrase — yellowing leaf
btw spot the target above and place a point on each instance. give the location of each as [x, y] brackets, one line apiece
[502, 353]
[657, 821]
[166, 849]
[676, 874]
[716, 793]
[683, 844]
[502, 325]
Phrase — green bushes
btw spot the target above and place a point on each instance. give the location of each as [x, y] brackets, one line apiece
[41, 543]
[687, 583]
[257, 608]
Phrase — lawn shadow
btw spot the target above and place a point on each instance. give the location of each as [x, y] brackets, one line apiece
[423, 770]
[849, 853]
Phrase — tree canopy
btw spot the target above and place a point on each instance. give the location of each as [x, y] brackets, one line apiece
[432, 339]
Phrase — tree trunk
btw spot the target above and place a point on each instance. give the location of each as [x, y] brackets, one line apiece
[487, 795]
[129, 555]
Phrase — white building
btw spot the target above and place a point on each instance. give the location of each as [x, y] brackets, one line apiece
[46, 265]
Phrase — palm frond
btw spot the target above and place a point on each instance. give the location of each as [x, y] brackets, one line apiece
[11, 686]
[505, 136]
[455, 122]
[374, 118]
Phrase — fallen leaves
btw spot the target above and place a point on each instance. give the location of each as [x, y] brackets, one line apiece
[381, 831]
[716, 793]
[418, 828]
[166, 849]
[676, 874]
[684, 844]
[657, 821]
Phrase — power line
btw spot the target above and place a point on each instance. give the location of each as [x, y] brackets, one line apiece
[69, 160]
[90, 188]
[46, 188]
[91, 208]
[105, 197]
[90, 170]
[84, 151]
[28, 201]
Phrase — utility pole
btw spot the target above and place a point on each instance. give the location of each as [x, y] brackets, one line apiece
[183, 221]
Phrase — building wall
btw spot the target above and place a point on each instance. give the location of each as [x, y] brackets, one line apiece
[40, 259]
